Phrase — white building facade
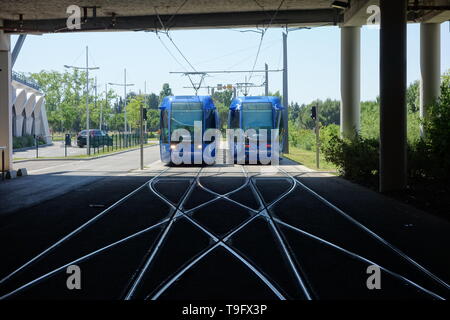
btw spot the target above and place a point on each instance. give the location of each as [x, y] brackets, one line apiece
[29, 116]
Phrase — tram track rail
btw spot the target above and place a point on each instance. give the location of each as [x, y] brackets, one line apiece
[217, 241]
[75, 232]
[372, 234]
[265, 210]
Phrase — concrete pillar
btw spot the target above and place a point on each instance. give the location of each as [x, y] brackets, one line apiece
[29, 108]
[430, 66]
[5, 98]
[393, 174]
[38, 129]
[350, 80]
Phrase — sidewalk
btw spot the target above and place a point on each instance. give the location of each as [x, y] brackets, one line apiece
[55, 150]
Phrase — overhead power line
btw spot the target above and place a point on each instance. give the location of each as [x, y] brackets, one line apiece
[166, 29]
[170, 52]
[263, 32]
[181, 53]
[225, 71]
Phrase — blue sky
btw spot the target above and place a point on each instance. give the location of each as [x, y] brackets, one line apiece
[313, 55]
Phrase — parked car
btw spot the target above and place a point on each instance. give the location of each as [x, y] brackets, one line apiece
[97, 138]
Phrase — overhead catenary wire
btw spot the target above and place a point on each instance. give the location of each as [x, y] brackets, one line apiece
[262, 7]
[176, 12]
[232, 53]
[263, 32]
[166, 30]
[76, 60]
[181, 53]
[170, 53]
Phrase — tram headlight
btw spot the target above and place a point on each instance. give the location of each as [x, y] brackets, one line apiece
[199, 146]
[173, 146]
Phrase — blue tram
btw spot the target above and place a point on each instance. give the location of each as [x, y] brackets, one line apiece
[181, 112]
[257, 113]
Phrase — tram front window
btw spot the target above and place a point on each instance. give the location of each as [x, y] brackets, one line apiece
[257, 116]
[184, 114]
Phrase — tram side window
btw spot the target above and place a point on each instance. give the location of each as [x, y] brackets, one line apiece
[164, 126]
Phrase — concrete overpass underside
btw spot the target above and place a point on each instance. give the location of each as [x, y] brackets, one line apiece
[50, 16]
[177, 14]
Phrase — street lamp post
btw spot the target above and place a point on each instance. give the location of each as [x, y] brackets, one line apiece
[106, 106]
[95, 96]
[124, 85]
[87, 95]
[146, 104]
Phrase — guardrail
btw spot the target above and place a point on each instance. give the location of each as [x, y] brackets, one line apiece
[19, 77]
[102, 144]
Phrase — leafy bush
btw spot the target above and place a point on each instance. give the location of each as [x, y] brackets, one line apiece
[436, 144]
[438, 124]
[26, 142]
[355, 159]
[303, 138]
[413, 127]
[306, 139]
[327, 133]
[419, 159]
[428, 157]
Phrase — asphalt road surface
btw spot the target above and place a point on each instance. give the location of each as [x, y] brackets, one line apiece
[220, 232]
[50, 178]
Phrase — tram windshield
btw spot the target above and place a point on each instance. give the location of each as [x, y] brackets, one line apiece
[257, 116]
[184, 114]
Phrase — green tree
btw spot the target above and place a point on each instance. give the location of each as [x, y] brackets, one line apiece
[413, 96]
[65, 98]
[134, 112]
[66, 101]
[224, 97]
[370, 119]
[152, 120]
[329, 113]
[294, 112]
[276, 94]
[437, 128]
[152, 101]
[222, 101]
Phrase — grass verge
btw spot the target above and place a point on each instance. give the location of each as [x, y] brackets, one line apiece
[308, 159]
